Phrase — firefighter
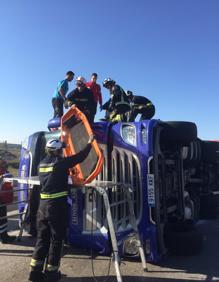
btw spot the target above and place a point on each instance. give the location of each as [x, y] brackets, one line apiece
[82, 98]
[4, 237]
[52, 213]
[139, 105]
[118, 103]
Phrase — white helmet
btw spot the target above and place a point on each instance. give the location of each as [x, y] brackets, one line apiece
[81, 79]
[55, 145]
[108, 81]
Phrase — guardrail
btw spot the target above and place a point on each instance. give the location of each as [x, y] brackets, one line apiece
[11, 200]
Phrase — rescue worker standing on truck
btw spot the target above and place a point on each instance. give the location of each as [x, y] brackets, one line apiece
[118, 104]
[53, 214]
[4, 237]
[82, 98]
[59, 96]
[139, 105]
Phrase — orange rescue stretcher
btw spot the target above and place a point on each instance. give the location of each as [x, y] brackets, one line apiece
[75, 132]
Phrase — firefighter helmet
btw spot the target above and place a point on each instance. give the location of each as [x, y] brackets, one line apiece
[108, 81]
[80, 79]
[55, 145]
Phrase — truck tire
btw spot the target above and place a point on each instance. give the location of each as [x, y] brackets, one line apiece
[185, 243]
[182, 132]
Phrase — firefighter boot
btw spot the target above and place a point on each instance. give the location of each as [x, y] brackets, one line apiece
[36, 276]
[6, 239]
[52, 276]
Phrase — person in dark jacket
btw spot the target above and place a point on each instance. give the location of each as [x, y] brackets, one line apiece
[82, 98]
[52, 213]
[118, 104]
[139, 105]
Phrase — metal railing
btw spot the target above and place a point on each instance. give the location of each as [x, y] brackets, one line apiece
[14, 202]
[125, 168]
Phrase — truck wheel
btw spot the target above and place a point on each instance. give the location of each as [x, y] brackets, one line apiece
[185, 243]
[182, 132]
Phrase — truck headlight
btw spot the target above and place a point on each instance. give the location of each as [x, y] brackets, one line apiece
[128, 133]
[130, 246]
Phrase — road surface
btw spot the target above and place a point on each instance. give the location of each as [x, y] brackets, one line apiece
[77, 265]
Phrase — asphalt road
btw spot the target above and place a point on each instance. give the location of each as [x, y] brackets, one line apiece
[77, 264]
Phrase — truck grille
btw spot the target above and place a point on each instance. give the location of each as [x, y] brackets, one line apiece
[125, 168]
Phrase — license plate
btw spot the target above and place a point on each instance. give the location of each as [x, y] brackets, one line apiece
[151, 191]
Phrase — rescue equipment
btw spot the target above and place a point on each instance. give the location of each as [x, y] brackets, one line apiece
[75, 132]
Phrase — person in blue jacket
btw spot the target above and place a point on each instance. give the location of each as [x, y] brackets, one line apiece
[59, 96]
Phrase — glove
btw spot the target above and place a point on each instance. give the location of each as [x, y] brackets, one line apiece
[66, 104]
[91, 139]
[70, 104]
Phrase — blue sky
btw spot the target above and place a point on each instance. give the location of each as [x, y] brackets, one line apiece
[167, 50]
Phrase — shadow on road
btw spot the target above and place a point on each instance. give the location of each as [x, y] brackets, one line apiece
[207, 262]
[16, 253]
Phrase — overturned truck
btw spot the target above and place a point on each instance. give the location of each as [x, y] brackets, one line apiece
[174, 178]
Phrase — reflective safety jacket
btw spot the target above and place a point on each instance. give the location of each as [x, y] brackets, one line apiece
[53, 173]
[140, 102]
[119, 101]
